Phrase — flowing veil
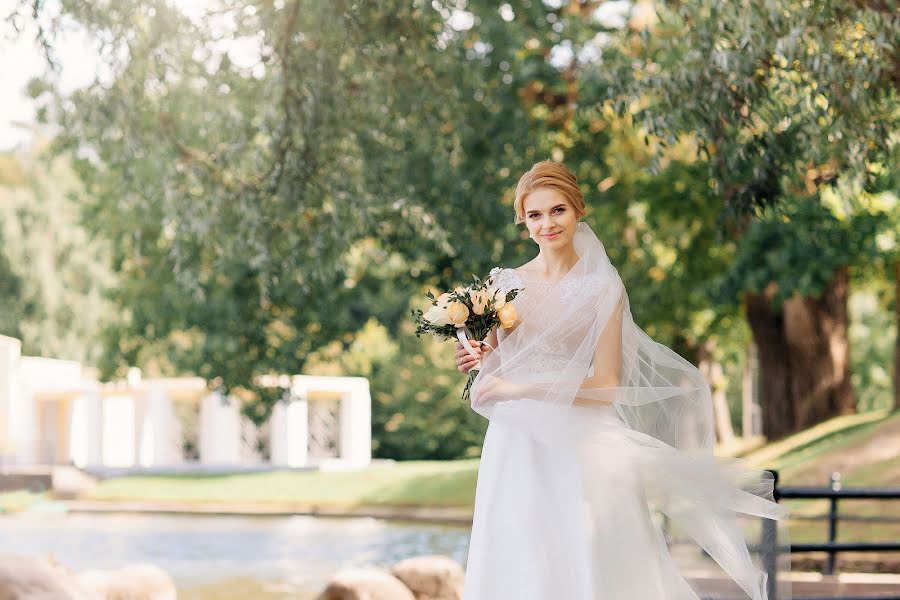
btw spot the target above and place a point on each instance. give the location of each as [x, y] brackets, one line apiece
[578, 350]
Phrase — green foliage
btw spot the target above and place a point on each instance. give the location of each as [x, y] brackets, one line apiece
[781, 95]
[667, 249]
[235, 192]
[417, 412]
[12, 310]
[873, 332]
[53, 274]
[263, 210]
[798, 248]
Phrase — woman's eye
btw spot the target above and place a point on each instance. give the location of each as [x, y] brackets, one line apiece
[561, 209]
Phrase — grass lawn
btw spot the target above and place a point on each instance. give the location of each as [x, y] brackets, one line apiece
[413, 483]
[20, 500]
[847, 444]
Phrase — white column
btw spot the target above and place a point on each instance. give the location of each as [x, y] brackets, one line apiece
[356, 425]
[10, 351]
[220, 431]
[157, 440]
[23, 426]
[86, 434]
[289, 429]
[118, 431]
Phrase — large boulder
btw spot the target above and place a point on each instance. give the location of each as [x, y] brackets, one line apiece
[31, 578]
[365, 584]
[431, 577]
[134, 582]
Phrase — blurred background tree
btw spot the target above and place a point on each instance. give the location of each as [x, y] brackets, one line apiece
[54, 275]
[280, 181]
[782, 99]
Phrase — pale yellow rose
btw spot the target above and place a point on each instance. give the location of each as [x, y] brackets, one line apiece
[458, 312]
[508, 315]
[480, 300]
[444, 299]
[437, 315]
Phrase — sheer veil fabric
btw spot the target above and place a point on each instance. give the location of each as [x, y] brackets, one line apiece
[598, 479]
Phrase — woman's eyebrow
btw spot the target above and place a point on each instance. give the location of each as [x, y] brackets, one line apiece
[554, 208]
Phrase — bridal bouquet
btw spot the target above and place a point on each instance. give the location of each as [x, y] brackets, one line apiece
[467, 311]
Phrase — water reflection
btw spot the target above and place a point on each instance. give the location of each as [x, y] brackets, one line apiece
[230, 557]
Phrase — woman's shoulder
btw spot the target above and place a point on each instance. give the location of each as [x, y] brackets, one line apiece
[506, 278]
[520, 272]
[506, 273]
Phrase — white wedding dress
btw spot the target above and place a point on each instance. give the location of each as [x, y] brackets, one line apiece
[571, 521]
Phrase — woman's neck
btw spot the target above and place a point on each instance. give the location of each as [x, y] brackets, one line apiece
[553, 265]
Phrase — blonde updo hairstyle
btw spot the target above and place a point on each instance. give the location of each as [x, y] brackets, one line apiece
[549, 174]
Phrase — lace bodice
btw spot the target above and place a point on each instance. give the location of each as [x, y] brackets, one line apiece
[531, 292]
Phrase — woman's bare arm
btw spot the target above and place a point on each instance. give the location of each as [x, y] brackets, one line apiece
[607, 362]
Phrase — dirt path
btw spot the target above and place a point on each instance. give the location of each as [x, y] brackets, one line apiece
[881, 446]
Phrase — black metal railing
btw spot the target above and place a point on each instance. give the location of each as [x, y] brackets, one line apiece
[833, 493]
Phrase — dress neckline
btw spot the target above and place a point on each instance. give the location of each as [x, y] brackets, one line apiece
[522, 277]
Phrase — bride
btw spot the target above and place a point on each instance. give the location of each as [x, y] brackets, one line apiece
[597, 478]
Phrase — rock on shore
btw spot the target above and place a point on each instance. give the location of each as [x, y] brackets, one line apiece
[431, 577]
[32, 578]
[365, 584]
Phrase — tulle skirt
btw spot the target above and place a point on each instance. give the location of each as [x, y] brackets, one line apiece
[571, 519]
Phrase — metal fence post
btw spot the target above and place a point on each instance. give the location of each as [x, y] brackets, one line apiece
[832, 523]
[769, 546]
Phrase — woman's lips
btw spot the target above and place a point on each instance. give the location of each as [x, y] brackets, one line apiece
[552, 236]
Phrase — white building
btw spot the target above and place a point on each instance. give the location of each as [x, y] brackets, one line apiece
[53, 412]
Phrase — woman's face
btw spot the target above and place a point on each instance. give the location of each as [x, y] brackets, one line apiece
[548, 212]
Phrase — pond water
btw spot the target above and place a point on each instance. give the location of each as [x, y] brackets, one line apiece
[230, 557]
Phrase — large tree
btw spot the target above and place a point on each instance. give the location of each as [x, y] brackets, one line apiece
[781, 97]
[235, 157]
[244, 189]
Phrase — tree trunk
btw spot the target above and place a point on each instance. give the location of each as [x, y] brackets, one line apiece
[804, 357]
[712, 371]
[775, 373]
[897, 340]
[816, 332]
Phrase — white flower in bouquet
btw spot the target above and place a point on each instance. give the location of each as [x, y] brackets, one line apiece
[437, 315]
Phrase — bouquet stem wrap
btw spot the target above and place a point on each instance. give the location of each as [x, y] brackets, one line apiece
[463, 334]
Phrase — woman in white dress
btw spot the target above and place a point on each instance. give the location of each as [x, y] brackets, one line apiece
[596, 433]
